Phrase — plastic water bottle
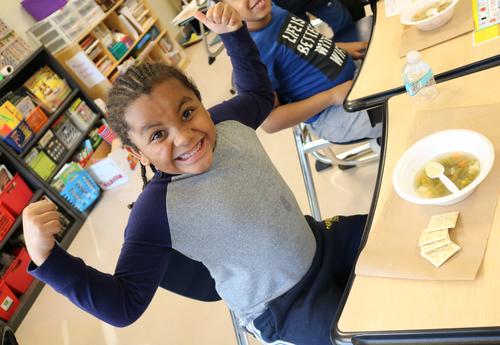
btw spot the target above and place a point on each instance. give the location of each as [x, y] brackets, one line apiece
[419, 80]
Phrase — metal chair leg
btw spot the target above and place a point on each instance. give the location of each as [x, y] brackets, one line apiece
[306, 174]
[239, 330]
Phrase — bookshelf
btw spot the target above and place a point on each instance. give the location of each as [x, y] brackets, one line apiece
[129, 33]
[15, 163]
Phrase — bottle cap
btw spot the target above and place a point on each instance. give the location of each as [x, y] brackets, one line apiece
[413, 57]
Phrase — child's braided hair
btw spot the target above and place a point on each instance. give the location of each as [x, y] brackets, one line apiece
[135, 82]
[138, 81]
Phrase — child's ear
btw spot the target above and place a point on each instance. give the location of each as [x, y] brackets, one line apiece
[138, 155]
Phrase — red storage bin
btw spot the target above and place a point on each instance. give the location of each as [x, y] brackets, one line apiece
[16, 195]
[16, 276]
[6, 222]
[8, 301]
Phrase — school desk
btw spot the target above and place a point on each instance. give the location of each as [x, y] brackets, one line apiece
[379, 310]
[380, 76]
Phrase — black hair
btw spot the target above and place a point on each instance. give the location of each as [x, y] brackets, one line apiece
[135, 82]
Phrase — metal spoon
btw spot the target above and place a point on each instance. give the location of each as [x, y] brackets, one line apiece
[436, 170]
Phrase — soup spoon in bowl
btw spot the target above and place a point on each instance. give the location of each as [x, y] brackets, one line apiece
[436, 170]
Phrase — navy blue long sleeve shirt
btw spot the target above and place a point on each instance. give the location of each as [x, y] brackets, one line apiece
[234, 232]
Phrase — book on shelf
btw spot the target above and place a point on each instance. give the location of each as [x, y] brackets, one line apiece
[40, 163]
[145, 52]
[25, 106]
[125, 12]
[47, 89]
[87, 42]
[129, 27]
[142, 42]
[95, 53]
[62, 177]
[91, 46]
[102, 33]
[84, 153]
[81, 115]
[10, 118]
[52, 146]
[66, 131]
[5, 176]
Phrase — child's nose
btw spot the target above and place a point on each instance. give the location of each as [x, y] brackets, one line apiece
[183, 137]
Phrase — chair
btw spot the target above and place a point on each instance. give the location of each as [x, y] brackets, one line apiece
[321, 150]
[239, 330]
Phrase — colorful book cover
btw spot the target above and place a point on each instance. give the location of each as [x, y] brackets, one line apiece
[47, 88]
[10, 117]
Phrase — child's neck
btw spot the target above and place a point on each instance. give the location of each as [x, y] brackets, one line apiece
[259, 24]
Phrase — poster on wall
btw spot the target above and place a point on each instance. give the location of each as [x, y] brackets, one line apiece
[85, 69]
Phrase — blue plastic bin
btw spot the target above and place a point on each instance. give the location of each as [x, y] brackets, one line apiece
[81, 191]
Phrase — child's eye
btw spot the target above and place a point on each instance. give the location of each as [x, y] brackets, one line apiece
[187, 114]
[157, 135]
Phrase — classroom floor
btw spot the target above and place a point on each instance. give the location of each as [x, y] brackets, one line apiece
[171, 319]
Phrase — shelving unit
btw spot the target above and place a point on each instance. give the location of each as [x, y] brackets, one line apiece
[102, 57]
[40, 187]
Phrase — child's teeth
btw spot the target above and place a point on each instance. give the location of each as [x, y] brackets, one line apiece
[187, 155]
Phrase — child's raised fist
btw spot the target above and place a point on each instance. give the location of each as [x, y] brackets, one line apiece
[41, 222]
[220, 18]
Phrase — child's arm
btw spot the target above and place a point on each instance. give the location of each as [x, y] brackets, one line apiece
[255, 97]
[118, 299]
[291, 114]
[356, 49]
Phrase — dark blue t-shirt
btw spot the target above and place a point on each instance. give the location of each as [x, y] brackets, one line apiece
[300, 61]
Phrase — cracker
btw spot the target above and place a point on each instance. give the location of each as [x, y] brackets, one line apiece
[443, 221]
[434, 245]
[439, 256]
[432, 236]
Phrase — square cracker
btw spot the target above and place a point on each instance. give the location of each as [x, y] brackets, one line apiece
[432, 236]
[439, 256]
[443, 221]
[434, 245]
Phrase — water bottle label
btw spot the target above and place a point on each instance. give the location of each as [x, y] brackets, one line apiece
[414, 87]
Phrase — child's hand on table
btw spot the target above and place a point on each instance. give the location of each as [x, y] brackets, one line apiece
[220, 18]
[339, 92]
[356, 49]
[40, 224]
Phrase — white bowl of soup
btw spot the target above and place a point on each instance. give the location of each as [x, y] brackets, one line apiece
[467, 157]
[428, 15]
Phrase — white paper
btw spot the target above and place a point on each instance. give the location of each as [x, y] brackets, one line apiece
[107, 174]
[395, 7]
[85, 69]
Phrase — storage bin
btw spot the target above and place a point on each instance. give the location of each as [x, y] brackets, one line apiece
[16, 195]
[16, 277]
[40, 9]
[36, 119]
[8, 301]
[6, 222]
[80, 190]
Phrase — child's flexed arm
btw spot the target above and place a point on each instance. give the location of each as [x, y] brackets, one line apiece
[255, 97]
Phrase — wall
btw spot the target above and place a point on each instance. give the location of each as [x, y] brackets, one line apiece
[13, 14]
[165, 12]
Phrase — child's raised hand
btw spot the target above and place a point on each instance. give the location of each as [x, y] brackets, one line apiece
[220, 18]
[40, 224]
